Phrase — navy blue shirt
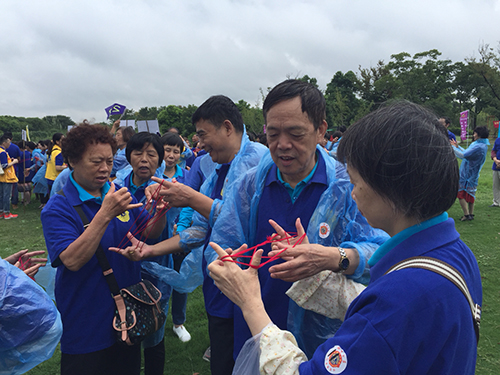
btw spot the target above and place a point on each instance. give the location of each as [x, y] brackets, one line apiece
[216, 303]
[277, 204]
[494, 152]
[15, 153]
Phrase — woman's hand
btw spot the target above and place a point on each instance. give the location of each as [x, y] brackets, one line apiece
[241, 286]
[117, 202]
[25, 261]
[135, 252]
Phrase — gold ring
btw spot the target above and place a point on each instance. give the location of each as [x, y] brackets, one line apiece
[131, 252]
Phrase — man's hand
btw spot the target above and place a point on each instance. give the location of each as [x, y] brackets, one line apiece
[175, 193]
[282, 235]
[303, 261]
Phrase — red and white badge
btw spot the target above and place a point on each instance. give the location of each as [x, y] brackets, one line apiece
[335, 360]
[324, 230]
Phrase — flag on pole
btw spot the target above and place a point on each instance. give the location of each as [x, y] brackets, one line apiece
[464, 121]
[28, 133]
[115, 109]
[23, 135]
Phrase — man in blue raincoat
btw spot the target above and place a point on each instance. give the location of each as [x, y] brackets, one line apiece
[472, 162]
[222, 134]
[296, 180]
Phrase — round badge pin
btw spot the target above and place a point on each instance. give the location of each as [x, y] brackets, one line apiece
[335, 360]
[324, 230]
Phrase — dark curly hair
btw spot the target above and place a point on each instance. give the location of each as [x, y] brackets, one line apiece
[80, 137]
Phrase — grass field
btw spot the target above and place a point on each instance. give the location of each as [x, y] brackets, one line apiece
[482, 235]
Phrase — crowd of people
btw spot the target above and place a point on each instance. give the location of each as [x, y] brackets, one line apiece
[336, 219]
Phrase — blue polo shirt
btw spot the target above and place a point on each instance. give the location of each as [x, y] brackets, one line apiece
[451, 136]
[180, 175]
[4, 161]
[137, 191]
[284, 205]
[496, 149]
[14, 152]
[83, 297]
[84, 195]
[295, 192]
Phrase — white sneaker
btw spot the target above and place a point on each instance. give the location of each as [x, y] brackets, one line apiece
[207, 354]
[182, 333]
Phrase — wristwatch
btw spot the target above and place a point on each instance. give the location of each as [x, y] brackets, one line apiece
[344, 260]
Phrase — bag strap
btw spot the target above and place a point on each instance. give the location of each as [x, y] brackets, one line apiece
[451, 273]
[107, 271]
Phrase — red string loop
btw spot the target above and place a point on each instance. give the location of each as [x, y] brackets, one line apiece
[270, 239]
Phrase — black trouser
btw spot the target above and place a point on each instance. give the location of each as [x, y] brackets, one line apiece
[118, 359]
[154, 359]
[221, 332]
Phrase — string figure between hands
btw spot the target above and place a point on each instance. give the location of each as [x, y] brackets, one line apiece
[291, 238]
[156, 208]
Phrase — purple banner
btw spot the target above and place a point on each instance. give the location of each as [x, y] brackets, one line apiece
[115, 109]
[464, 121]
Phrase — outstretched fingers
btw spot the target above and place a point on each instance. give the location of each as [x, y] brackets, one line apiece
[256, 259]
[132, 252]
[301, 231]
[278, 229]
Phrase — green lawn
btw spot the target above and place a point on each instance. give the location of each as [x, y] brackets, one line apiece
[481, 235]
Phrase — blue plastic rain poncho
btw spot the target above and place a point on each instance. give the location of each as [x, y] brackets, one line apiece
[202, 167]
[40, 182]
[119, 162]
[472, 161]
[60, 181]
[30, 325]
[237, 225]
[38, 158]
[192, 239]
[185, 155]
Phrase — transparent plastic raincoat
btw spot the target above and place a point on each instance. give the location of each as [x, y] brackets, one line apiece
[473, 159]
[30, 325]
[237, 225]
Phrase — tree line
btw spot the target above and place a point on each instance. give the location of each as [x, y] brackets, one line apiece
[425, 78]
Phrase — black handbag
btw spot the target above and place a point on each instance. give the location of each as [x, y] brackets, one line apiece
[138, 312]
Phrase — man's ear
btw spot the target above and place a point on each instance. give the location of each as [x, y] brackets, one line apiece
[322, 130]
[228, 127]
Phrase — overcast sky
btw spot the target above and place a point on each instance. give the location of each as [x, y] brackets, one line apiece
[75, 58]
